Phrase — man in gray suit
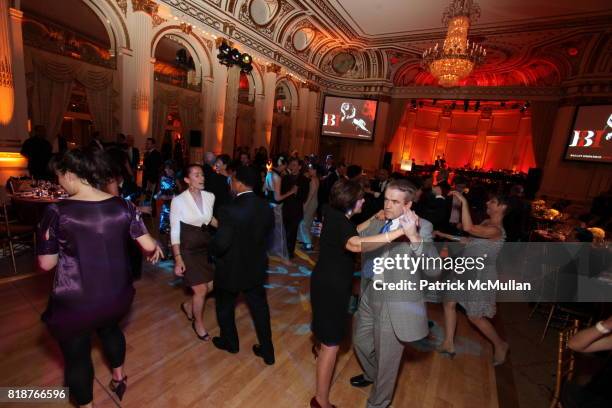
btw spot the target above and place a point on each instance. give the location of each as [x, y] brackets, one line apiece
[386, 319]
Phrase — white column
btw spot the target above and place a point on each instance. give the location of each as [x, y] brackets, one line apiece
[259, 136]
[270, 92]
[7, 90]
[207, 84]
[213, 140]
[19, 77]
[264, 111]
[137, 78]
[125, 59]
[231, 110]
[302, 119]
[311, 135]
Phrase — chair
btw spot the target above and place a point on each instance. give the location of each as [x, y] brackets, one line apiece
[565, 363]
[560, 316]
[11, 231]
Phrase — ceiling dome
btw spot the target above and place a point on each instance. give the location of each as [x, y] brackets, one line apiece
[302, 38]
[263, 11]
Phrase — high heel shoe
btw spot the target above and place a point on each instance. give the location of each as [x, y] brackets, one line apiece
[315, 404]
[446, 353]
[191, 319]
[497, 363]
[118, 387]
[205, 337]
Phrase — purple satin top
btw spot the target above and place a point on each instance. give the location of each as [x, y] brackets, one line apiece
[93, 282]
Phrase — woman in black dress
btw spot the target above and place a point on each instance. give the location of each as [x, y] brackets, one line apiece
[331, 281]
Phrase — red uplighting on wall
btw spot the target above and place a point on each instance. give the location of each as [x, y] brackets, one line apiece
[244, 81]
[572, 51]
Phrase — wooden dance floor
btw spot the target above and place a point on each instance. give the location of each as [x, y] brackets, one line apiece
[168, 366]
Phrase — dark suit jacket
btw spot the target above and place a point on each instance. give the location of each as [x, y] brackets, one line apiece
[241, 242]
[293, 206]
[218, 185]
[325, 187]
[135, 158]
[152, 165]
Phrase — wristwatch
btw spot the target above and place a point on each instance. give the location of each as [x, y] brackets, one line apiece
[601, 328]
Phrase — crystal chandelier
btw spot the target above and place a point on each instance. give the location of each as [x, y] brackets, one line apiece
[457, 57]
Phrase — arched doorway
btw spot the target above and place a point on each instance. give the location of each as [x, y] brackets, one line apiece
[281, 119]
[70, 71]
[245, 117]
[177, 91]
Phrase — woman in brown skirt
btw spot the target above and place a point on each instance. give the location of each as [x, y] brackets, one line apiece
[190, 219]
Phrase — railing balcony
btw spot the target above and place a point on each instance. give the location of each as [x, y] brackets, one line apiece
[180, 81]
[51, 37]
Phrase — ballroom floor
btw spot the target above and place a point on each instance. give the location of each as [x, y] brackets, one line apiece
[168, 366]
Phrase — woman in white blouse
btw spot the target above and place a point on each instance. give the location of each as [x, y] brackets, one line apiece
[190, 215]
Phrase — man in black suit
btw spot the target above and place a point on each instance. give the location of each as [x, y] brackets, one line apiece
[293, 206]
[240, 248]
[327, 182]
[151, 166]
[215, 183]
[133, 154]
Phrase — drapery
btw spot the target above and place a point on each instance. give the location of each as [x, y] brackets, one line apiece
[160, 112]
[189, 110]
[53, 83]
[99, 89]
[543, 116]
[187, 105]
[397, 109]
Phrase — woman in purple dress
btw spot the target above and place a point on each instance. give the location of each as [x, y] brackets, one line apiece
[87, 237]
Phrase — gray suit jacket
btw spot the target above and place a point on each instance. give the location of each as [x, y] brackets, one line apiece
[407, 309]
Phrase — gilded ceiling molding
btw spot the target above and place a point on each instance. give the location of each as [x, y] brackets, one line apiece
[313, 88]
[186, 28]
[270, 29]
[273, 68]
[231, 6]
[534, 46]
[148, 6]
[342, 25]
[122, 5]
[151, 8]
[221, 40]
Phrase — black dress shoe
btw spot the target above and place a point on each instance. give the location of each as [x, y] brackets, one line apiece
[268, 359]
[221, 344]
[360, 381]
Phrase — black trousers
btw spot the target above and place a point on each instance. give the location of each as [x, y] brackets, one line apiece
[260, 312]
[292, 224]
[78, 371]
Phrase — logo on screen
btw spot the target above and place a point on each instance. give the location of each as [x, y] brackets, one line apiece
[587, 138]
[330, 120]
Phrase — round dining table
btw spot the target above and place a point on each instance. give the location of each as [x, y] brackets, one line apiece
[30, 208]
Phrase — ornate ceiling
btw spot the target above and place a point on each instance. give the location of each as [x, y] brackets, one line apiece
[375, 45]
[371, 46]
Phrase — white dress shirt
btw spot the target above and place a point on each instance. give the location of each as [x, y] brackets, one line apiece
[183, 208]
